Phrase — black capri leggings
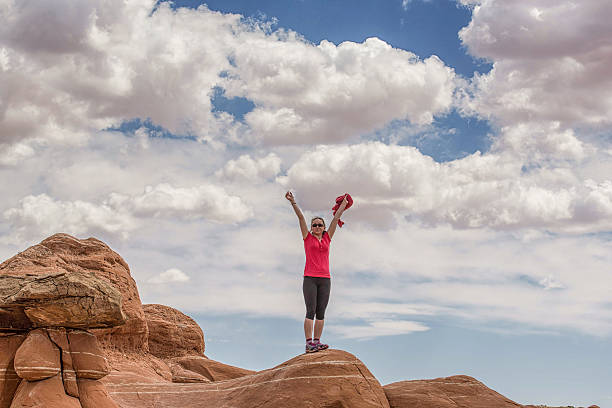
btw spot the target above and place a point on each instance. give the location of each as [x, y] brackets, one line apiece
[316, 295]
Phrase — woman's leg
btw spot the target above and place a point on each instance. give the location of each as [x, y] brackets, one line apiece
[309, 287]
[323, 291]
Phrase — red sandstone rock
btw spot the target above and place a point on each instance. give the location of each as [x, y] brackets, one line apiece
[60, 338]
[47, 393]
[37, 358]
[330, 378]
[450, 392]
[94, 395]
[136, 369]
[172, 333]
[182, 375]
[63, 253]
[213, 370]
[52, 299]
[9, 380]
[87, 357]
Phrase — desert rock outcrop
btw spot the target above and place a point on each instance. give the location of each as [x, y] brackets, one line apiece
[63, 254]
[41, 298]
[458, 391]
[331, 378]
[172, 333]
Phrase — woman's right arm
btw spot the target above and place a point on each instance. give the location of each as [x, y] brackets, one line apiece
[303, 226]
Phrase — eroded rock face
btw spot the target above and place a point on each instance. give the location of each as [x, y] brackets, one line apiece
[61, 256]
[172, 333]
[331, 378]
[47, 393]
[94, 395]
[211, 369]
[87, 357]
[458, 391]
[9, 380]
[57, 299]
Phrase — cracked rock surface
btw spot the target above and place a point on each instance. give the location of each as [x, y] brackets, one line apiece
[70, 282]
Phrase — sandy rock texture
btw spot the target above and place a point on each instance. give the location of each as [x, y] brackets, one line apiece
[36, 298]
[331, 378]
[9, 380]
[459, 391]
[62, 254]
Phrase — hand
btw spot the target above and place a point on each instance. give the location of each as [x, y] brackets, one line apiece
[289, 196]
[344, 201]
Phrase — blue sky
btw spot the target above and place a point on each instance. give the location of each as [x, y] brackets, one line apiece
[473, 135]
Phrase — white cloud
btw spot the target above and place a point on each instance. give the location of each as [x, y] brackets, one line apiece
[97, 64]
[41, 216]
[163, 200]
[11, 155]
[543, 70]
[490, 190]
[248, 169]
[550, 282]
[377, 329]
[119, 215]
[94, 64]
[172, 275]
[305, 93]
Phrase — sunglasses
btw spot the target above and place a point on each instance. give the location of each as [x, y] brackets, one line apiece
[318, 225]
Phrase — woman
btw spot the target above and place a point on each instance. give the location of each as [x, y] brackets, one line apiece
[317, 280]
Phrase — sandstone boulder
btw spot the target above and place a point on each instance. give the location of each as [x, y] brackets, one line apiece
[55, 299]
[62, 253]
[458, 391]
[172, 333]
[47, 393]
[37, 358]
[87, 356]
[327, 379]
[9, 380]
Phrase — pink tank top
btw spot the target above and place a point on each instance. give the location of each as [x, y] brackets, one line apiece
[317, 256]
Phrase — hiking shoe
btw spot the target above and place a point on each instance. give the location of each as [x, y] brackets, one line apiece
[311, 347]
[321, 346]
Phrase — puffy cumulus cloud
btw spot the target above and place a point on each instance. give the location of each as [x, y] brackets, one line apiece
[41, 215]
[11, 155]
[493, 190]
[172, 275]
[245, 168]
[163, 200]
[68, 68]
[305, 93]
[541, 143]
[550, 61]
[119, 214]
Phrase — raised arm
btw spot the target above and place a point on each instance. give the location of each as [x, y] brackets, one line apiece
[332, 227]
[303, 226]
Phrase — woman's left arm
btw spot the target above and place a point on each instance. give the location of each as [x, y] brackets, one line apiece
[334, 223]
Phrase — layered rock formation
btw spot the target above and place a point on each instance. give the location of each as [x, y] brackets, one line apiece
[73, 333]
